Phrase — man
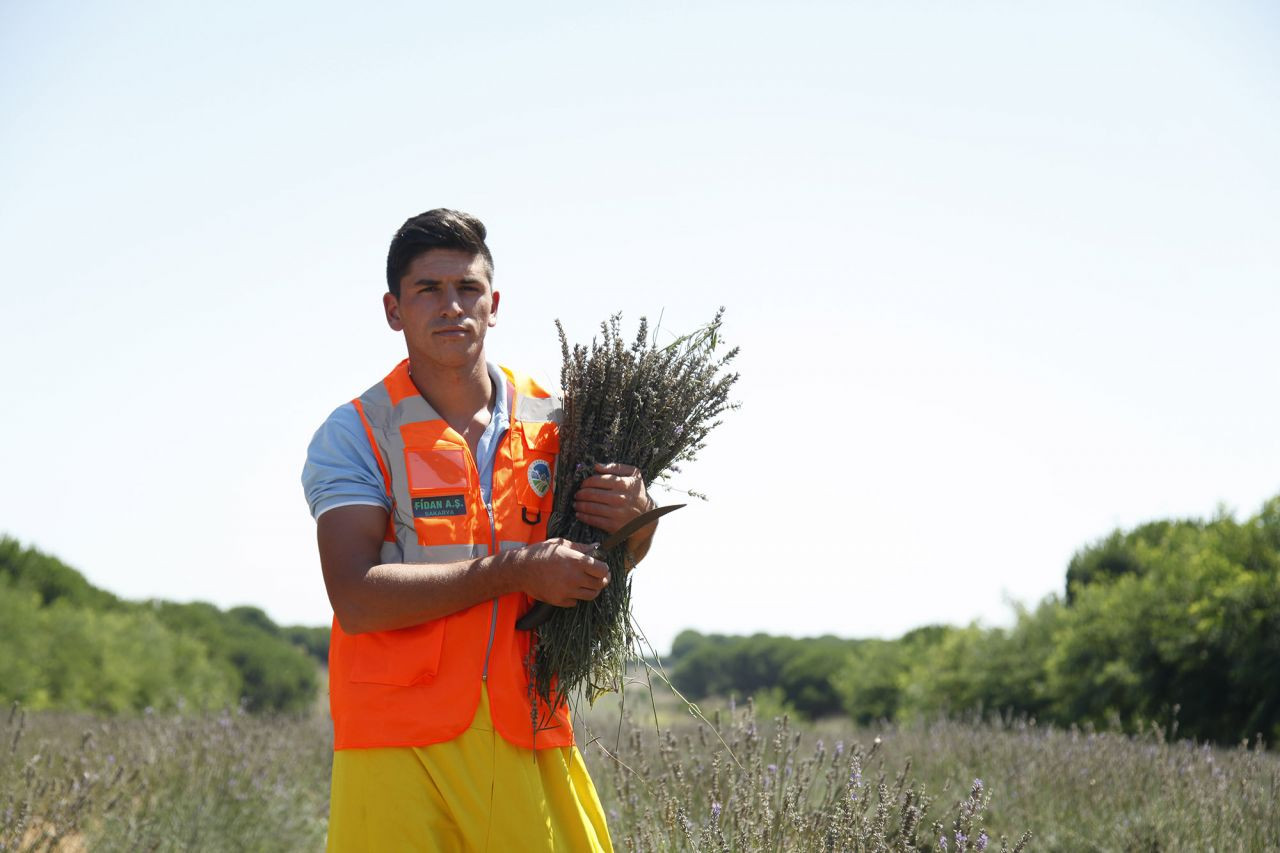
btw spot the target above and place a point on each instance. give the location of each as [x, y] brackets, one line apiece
[431, 493]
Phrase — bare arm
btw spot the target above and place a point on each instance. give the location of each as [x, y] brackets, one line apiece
[371, 596]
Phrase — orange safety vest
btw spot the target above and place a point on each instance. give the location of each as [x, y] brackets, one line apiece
[421, 685]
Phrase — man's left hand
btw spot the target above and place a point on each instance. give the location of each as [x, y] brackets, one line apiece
[611, 497]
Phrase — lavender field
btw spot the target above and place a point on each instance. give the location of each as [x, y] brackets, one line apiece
[738, 781]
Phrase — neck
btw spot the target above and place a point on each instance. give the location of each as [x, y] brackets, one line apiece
[456, 393]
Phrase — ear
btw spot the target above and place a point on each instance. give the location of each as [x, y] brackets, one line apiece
[493, 309]
[391, 306]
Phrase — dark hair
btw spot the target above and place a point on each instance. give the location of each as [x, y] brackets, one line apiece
[436, 229]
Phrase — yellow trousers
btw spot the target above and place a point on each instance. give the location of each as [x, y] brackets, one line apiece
[477, 792]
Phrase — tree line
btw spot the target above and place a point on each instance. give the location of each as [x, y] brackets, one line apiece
[65, 643]
[1173, 621]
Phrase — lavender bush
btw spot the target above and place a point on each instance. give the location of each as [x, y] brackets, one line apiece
[232, 781]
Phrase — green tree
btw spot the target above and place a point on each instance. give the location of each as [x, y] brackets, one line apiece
[1196, 628]
[274, 674]
[871, 681]
[49, 577]
[77, 658]
[313, 640]
[67, 644]
[801, 669]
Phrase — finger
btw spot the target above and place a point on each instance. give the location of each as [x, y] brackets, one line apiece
[600, 496]
[619, 511]
[588, 549]
[608, 506]
[609, 482]
[598, 570]
[591, 591]
[618, 468]
[607, 523]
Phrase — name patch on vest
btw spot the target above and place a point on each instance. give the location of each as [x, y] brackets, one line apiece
[435, 507]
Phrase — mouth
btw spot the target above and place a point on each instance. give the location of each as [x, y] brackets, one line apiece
[452, 331]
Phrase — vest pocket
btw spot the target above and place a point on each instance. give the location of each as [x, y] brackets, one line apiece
[402, 657]
[535, 469]
[440, 488]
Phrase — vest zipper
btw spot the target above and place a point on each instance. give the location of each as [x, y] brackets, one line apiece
[493, 616]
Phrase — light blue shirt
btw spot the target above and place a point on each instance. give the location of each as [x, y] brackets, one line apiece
[341, 469]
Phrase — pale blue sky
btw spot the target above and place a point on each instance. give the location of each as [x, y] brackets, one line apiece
[1005, 275]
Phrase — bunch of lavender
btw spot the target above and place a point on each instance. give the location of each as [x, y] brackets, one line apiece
[640, 404]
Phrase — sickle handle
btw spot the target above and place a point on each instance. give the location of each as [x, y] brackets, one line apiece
[539, 613]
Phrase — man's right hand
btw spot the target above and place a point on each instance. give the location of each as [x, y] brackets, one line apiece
[563, 573]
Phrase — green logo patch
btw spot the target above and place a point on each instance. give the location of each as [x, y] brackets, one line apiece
[440, 505]
[540, 476]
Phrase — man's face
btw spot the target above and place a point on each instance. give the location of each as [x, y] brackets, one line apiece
[446, 305]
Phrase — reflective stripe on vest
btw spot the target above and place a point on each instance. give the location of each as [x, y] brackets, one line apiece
[421, 685]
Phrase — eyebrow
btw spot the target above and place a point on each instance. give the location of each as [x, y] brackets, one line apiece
[467, 280]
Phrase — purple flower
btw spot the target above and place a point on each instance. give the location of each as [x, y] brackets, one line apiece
[977, 785]
[772, 768]
[715, 811]
[982, 841]
[960, 840]
[839, 748]
[942, 842]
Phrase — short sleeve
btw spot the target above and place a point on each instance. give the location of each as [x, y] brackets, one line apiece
[341, 469]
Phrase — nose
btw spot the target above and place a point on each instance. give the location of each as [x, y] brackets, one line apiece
[451, 305]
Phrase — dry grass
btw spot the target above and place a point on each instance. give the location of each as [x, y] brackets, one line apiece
[746, 782]
[782, 787]
[228, 781]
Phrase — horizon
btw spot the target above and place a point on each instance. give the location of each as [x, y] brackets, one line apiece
[1221, 512]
